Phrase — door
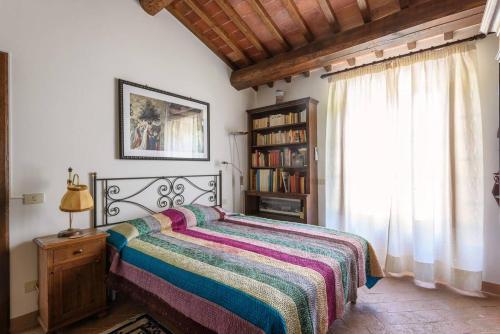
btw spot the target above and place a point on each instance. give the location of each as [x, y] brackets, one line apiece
[4, 196]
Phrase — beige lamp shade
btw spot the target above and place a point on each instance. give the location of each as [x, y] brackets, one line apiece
[76, 199]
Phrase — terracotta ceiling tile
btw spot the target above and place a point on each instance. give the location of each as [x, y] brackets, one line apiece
[244, 44]
[382, 8]
[221, 45]
[254, 53]
[312, 14]
[284, 22]
[211, 34]
[241, 6]
[229, 27]
[220, 19]
[296, 39]
[210, 7]
[349, 17]
[237, 35]
[192, 17]
[280, 15]
[247, 14]
[337, 4]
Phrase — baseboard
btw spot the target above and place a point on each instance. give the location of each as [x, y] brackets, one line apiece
[492, 288]
[24, 322]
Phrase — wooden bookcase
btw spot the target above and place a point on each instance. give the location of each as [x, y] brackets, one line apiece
[300, 134]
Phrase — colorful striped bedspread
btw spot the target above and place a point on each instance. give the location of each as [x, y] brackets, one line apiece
[243, 274]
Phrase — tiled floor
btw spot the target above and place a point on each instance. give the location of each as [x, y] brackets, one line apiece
[398, 306]
[392, 306]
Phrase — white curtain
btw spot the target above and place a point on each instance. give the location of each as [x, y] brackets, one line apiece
[404, 164]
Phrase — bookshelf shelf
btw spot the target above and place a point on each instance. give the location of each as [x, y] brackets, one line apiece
[270, 188]
[276, 194]
[278, 145]
[281, 217]
[278, 127]
[279, 167]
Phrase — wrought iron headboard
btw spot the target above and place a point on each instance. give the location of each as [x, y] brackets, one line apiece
[169, 193]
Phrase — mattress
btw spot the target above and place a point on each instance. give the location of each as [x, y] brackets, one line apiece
[242, 274]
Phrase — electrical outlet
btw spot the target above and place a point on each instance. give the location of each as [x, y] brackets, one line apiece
[36, 198]
[30, 286]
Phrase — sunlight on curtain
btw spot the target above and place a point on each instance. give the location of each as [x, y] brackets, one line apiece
[404, 168]
[184, 134]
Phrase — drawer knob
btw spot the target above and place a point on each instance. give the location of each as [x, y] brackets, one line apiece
[79, 251]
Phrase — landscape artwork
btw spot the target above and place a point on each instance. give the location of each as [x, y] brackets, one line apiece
[155, 124]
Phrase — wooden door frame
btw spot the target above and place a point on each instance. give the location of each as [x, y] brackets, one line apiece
[4, 195]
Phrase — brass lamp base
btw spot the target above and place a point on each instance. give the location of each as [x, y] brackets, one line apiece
[70, 233]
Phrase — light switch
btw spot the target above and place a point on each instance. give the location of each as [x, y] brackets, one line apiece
[37, 198]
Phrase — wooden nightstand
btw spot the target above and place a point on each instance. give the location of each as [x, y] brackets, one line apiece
[71, 274]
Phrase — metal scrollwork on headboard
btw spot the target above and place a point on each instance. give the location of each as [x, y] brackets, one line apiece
[170, 192]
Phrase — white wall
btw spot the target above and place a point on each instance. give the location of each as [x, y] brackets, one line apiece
[65, 59]
[488, 77]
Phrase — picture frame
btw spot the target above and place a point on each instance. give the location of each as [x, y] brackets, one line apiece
[159, 125]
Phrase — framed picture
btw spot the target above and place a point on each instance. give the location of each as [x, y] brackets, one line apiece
[155, 124]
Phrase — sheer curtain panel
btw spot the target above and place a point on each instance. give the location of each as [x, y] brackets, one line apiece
[404, 164]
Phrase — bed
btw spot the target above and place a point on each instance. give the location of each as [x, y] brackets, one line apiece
[234, 273]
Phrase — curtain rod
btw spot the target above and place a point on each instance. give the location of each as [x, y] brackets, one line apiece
[473, 38]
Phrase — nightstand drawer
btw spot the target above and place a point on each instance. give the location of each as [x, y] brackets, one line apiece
[78, 250]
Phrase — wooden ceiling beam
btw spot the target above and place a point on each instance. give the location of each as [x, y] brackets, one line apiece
[403, 3]
[178, 15]
[365, 10]
[448, 35]
[269, 23]
[417, 22]
[153, 7]
[221, 33]
[298, 19]
[245, 30]
[329, 14]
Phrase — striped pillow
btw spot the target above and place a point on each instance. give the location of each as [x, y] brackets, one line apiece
[177, 218]
[193, 215]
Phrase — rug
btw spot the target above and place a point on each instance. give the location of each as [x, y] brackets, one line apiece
[140, 324]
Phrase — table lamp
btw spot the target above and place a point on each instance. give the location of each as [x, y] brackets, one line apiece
[76, 199]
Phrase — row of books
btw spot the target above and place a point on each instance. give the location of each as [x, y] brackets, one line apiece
[281, 137]
[280, 119]
[280, 158]
[277, 180]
